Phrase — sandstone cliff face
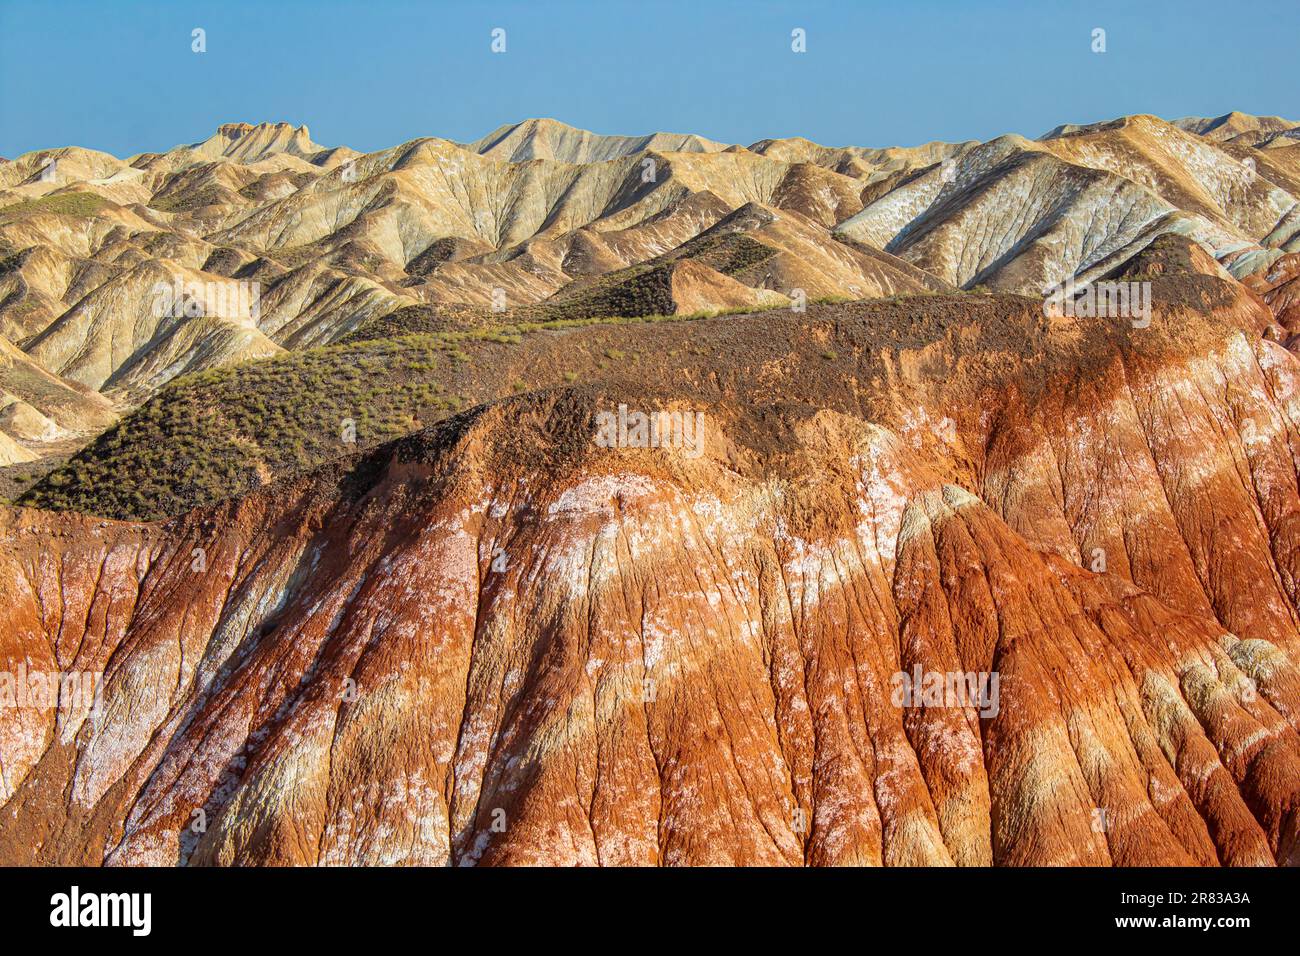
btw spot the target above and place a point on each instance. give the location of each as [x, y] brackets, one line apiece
[498, 642]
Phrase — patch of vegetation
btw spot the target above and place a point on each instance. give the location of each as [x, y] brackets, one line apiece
[213, 434]
[181, 201]
[291, 257]
[640, 290]
[62, 204]
[525, 326]
[11, 262]
[730, 255]
[222, 432]
[415, 319]
[17, 478]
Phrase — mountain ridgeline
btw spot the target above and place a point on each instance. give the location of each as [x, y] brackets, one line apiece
[570, 499]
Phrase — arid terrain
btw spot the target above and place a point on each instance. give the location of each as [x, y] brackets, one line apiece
[560, 498]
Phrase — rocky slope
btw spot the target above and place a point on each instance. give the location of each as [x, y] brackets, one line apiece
[501, 641]
[1021, 215]
[541, 219]
[577, 499]
[42, 410]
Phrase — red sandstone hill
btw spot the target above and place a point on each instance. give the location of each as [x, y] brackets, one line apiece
[497, 642]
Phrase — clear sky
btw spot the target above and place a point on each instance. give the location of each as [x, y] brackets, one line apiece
[119, 75]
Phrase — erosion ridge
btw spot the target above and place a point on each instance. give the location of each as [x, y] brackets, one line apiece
[539, 218]
[496, 642]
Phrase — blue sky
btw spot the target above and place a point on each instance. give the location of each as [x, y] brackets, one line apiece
[119, 75]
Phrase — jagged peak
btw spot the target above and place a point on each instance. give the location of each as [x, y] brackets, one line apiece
[249, 142]
[1135, 120]
[240, 130]
[547, 138]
